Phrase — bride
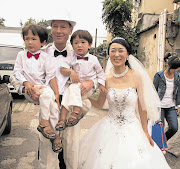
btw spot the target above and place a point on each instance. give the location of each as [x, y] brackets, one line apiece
[121, 139]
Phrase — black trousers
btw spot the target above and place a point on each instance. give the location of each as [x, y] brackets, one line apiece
[62, 164]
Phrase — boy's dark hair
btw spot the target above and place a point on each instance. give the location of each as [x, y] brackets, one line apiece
[36, 30]
[82, 34]
[172, 61]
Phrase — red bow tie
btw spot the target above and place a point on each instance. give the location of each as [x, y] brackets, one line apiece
[29, 55]
[80, 57]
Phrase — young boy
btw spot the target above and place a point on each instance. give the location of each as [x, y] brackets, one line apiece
[84, 67]
[35, 74]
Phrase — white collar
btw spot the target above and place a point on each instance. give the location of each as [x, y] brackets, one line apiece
[54, 47]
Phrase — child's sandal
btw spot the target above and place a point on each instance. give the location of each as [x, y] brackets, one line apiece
[73, 121]
[49, 134]
[57, 146]
[61, 125]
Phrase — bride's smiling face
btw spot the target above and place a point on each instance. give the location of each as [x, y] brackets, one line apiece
[118, 54]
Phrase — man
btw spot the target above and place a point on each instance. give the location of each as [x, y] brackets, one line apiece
[59, 53]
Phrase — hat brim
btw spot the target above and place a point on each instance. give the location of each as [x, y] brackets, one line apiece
[71, 22]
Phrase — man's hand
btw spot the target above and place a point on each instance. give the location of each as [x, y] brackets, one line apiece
[86, 86]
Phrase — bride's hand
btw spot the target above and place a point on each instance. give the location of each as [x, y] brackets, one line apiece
[103, 89]
[150, 139]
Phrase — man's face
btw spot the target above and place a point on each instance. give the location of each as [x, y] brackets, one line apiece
[61, 31]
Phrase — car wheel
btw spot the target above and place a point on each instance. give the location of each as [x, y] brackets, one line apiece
[7, 129]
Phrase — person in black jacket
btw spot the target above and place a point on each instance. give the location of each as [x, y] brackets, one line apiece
[167, 84]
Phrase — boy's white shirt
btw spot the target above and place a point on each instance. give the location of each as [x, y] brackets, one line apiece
[37, 72]
[86, 70]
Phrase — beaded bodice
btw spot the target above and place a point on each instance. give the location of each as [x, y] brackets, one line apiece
[122, 103]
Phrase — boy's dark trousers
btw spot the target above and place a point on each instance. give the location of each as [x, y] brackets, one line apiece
[62, 164]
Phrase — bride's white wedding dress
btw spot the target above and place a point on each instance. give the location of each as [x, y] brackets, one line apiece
[117, 141]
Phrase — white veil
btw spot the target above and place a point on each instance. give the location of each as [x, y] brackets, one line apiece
[148, 96]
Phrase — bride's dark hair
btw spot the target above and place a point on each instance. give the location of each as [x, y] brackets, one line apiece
[123, 42]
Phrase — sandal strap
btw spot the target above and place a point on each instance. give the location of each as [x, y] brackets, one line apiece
[77, 115]
[49, 132]
[61, 138]
[65, 120]
[44, 125]
[62, 123]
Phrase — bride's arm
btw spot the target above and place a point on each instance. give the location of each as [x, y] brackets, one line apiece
[142, 106]
[143, 117]
[99, 102]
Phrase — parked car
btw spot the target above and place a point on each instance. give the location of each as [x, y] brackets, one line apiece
[8, 54]
[5, 106]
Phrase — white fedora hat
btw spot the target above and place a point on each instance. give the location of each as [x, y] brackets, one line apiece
[62, 15]
[73, 23]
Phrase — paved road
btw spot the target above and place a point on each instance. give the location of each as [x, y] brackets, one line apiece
[19, 148]
[173, 151]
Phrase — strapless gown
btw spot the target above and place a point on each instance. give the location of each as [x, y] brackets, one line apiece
[117, 141]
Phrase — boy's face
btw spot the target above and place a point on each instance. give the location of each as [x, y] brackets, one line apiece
[32, 42]
[80, 46]
[61, 31]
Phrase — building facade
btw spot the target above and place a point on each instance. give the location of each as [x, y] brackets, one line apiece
[159, 32]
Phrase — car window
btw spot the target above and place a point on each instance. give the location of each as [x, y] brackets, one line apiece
[8, 56]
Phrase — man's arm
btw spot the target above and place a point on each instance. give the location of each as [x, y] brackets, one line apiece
[86, 86]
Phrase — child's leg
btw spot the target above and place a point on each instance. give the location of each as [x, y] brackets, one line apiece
[44, 125]
[57, 144]
[46, 98]
[74, 97]
[75, 116]
[78, 112]
[76, 109]
[46, 129]
[64, 113]
[61, 125]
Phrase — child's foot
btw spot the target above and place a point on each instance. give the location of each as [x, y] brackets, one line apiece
[61, 125]
[45, 129]
[57, 144]
[74, 119]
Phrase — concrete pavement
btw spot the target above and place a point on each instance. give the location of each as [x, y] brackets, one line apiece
[19, 149]
[23, 109]
[174, 143]
[173, 151]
